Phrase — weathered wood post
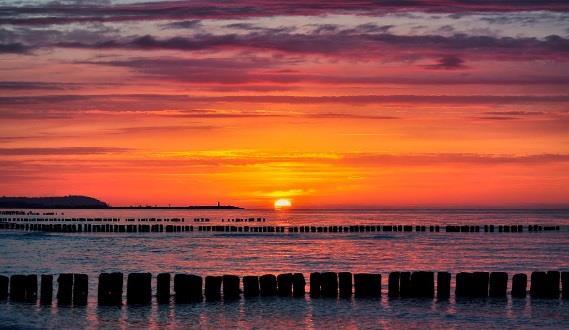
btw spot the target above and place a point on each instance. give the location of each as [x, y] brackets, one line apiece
[393, 285]
[110, 289]
[251, 286]
[519, 285]
[315, 283]
[80, 289]
[188, 288]
[329, 284]
[423, 284]
[443, 285]
[405, 284]
[284, 284]
[64, 289]
[538, 286]
[498, 284]
[163, 288]
[212, 288]
[139, 289]
[268, 284]
[4, 281]
[230, 287]
[367, 285]
[345, 284]
[298, 285]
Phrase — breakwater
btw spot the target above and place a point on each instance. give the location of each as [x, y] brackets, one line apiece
[111, 225]
[72, 289]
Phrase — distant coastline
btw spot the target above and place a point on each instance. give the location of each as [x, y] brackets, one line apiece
[85, 202]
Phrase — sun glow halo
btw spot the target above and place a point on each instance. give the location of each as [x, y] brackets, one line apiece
[282, 203]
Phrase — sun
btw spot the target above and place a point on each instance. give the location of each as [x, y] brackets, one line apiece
[282, 203]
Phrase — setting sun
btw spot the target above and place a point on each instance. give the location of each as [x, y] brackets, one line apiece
[282, 203]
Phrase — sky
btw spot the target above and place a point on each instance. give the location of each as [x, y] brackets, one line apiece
[342, 104]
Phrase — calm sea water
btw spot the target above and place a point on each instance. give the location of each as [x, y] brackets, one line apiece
[256, 254]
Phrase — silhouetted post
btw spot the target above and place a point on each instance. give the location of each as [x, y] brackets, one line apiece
[463, 280]
[481, 283]
[284, 284]
[405, 284]
[393, 285]
[4, 287]
[552, 286]
[64, 289]
[519, 285]
[423, 284]
[565, 285]
[367, 285]
[110, 289]
[187, 288]
[298, 285]
[139, 289]
[315, 284]
[498, 284]
[230, 286]
[80, 289]
[31, 288]
[268, 284]
[345, 284]
[443, 285]
[329, 284]
[213, 287]
[538, 286]
[163, 288]
[17, 287]
[251, 286]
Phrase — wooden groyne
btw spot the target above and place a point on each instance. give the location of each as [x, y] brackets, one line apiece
[72, 289]
[176, 225]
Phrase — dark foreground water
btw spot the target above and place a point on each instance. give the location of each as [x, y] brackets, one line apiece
[257, 254]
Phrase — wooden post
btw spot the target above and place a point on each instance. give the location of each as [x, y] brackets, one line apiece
[519, 286]
[251, 286]
[329, 284]
[64, 289]
[298, 285]
[268, 284]
[4, 281]
[405, 284]
[139, 289]
[443, 285]
[212, 288]
[393, 285]
[80, 289]
[538, 286]
[110, 289]
[367, 285]
[284, 284]
[345, 284]
[230, 287]
[315, 284]
[423, 284]
[188, 288]
[498, 284]
[163, 288]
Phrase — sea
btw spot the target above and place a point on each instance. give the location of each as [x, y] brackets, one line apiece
[218, 253]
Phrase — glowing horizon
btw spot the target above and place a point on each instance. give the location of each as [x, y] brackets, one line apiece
[348, 104]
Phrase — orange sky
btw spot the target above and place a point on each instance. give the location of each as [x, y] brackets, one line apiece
[330, 107]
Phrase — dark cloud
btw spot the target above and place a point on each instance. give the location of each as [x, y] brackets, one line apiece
[192, 24]
[364, 46]
[450, 62]
[61, 151]
[57, 13]
[29, 85]
[14, 48]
